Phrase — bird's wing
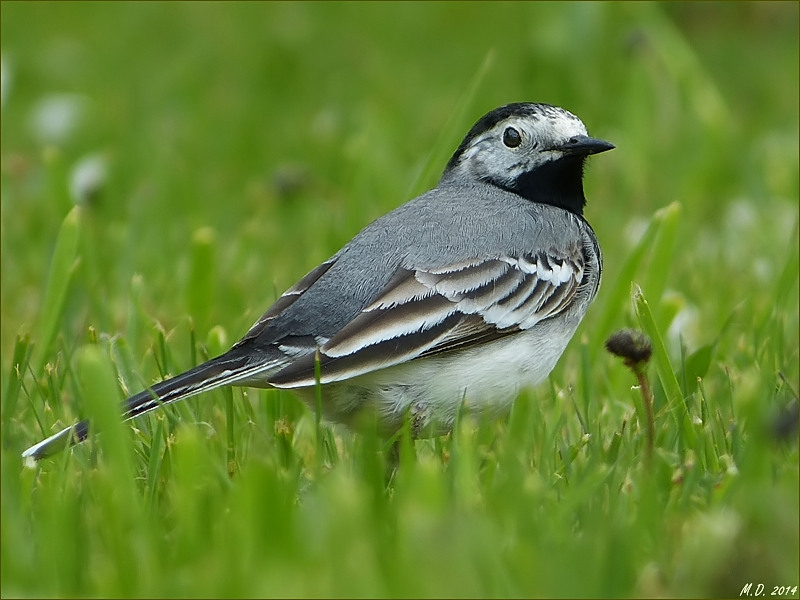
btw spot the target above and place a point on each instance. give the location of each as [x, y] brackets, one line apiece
[422, 312]
[288, 298]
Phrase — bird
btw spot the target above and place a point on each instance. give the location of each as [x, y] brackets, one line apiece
[455, 300]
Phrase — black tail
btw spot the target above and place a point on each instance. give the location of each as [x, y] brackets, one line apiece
[227, 369]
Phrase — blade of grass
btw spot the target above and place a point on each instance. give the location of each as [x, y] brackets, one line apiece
[785, 284]
[449, 131]
[216, 342]
[687, 70]
[101, 399]
[662, 256]
[62, 267]
[617, 296]
[586, 385]
[122, 357]
[230, 447]
[675, 399]
[200, 290]
[22, 350]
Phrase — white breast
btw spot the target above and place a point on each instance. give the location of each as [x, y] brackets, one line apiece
[485, 379]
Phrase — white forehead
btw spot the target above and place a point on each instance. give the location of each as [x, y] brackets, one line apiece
[553, 125]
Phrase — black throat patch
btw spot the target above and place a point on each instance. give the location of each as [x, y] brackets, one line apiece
[559, 183]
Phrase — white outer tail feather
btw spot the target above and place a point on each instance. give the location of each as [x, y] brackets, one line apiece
[227, 369]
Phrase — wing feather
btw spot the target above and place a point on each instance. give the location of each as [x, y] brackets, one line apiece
[287, 299]
[423, 312]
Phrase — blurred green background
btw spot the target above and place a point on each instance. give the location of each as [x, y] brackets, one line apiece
[218, 151]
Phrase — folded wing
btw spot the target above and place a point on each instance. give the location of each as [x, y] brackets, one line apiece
[423, 312]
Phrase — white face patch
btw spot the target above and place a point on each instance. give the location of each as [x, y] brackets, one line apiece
[487, 157]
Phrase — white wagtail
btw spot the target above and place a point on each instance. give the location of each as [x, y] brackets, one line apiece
[458, 298]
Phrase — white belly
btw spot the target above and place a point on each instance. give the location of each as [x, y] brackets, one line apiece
[483, 379]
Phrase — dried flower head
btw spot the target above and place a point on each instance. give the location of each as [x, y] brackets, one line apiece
[632, 345]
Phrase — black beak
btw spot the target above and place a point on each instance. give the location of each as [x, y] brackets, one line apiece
[583, 145]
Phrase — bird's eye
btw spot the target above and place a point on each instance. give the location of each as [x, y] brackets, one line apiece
[511, 137]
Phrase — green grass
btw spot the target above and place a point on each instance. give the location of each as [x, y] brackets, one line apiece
[244, 143]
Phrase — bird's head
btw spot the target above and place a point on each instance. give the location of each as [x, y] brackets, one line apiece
[534, 150]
